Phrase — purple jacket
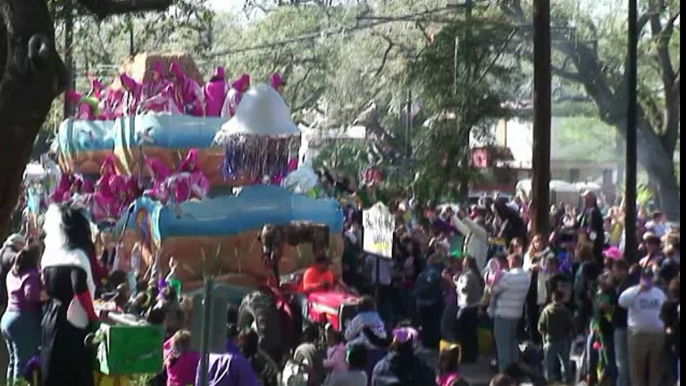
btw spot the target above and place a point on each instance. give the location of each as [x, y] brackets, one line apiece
[23, 291]
[228, 370]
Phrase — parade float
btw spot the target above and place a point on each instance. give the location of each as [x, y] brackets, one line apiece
[213, 193]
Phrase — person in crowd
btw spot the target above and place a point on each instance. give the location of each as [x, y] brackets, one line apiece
[336, 351]
[355, 375]
[556, 280]
[584, 285]
[534, 264]
[670, 315]
[511, 291]
[385, 278]
[264, 367]
[447, 373]
[476, 237]
[21, 321]
[215, 93]
[429, 299]
[538, 251]
[494, 272]
[556, 326]
[174, 317]
[10, 248]
[623, 281]
[228, 369]
[511, 225]
[658, 225]
[601, 346]
[654, 256]
[367, 317]
[592, 225]
[67, 276]
[670, 267]
[309, 355]
[470, 288]
[402, 366]
[180, 361]
[646, 330]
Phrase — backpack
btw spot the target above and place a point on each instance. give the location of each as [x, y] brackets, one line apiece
[428, 287]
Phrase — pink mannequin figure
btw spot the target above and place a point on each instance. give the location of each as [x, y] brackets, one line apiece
[159, 173]
[187, 94]
[111, 104]
[235, 95]
[61, 193]
[88, 186]
[133, 190]
[119, 197]
[84, 111]
[96, 87]
[190, 163]
[156, 97]
[132, 94]
[276, 82]
[215, 93]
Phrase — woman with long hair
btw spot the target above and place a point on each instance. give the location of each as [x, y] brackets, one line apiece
[470, 289]
[447, 369]
[21, 322]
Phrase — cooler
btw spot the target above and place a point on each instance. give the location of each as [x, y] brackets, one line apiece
[124, 349]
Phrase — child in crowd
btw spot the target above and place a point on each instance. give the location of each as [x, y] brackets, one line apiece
[336, 352]
[367, 319]
[180, 362]
[354, 376]
[556, 326]
[448, 362]
[495, 270]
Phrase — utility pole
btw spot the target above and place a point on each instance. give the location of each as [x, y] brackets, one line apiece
[631, 246]
[68, 57]
[542, 114]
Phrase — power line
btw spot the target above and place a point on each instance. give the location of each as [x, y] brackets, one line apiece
[335, 31]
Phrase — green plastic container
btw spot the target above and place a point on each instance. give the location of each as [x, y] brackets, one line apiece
[130, 349]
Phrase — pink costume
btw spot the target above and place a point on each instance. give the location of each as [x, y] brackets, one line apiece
[88, 187]
[84, 111]
[215, 93]
[156, 98]
[276, 82]
[235, 95]
[111, 104]
[133, 190]
[119, 200]
[132, 94]
[187, 94]
[96, 87]
[189, 182]
[61, 194]
[159, 173]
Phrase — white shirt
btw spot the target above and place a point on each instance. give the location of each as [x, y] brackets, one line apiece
[511, 290]
[644, 309]
[477, 239]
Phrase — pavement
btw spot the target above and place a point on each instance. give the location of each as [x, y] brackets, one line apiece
[476, 374]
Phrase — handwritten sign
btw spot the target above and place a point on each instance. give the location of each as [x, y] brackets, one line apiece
[379, 226]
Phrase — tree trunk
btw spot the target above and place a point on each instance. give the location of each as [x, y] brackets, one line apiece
[33, 75]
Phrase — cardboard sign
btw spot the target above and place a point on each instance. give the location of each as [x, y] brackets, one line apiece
[379, 226]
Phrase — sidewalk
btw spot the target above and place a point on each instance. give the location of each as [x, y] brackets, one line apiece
[476, 374]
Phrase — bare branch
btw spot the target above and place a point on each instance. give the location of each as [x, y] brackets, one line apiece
[384, 59]
[497, 56]
[104, 8]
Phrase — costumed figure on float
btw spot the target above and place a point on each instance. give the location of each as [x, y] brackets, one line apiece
[156, 93]
[235, 95]
[61, 193]
[69, 285]
[159, 173]
[187, 94]
[111, 104]
[215, 93]
[132, 94]
[277, 83]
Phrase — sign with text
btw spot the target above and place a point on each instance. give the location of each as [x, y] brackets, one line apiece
[379, 226]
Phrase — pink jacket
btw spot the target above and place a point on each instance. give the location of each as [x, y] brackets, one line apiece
[132, 94]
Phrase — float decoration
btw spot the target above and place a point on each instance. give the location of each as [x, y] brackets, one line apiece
[261, 140]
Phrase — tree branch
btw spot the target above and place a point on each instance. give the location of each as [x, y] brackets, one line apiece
[104, 8]
[385, 58]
